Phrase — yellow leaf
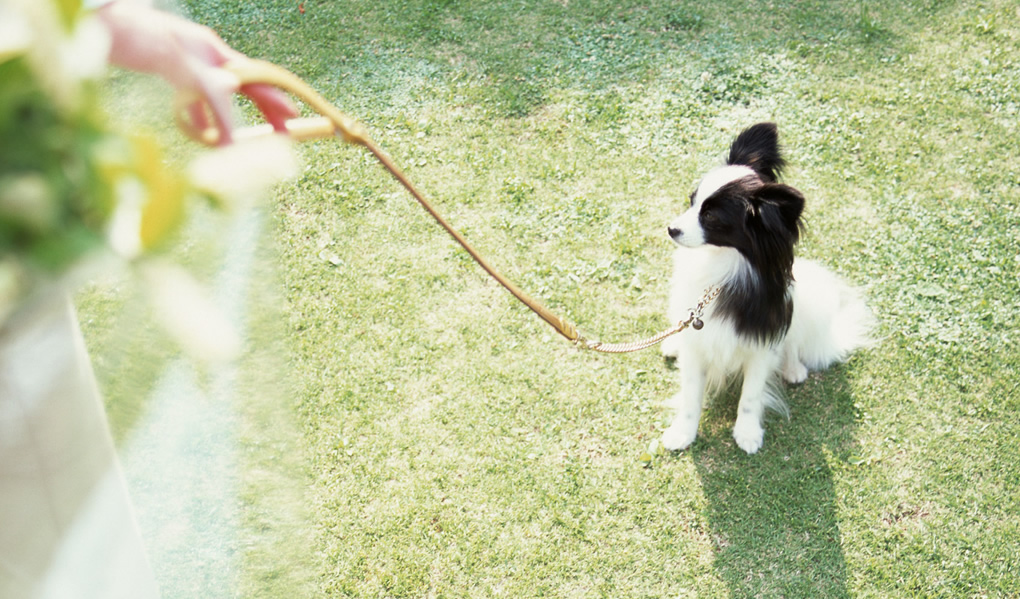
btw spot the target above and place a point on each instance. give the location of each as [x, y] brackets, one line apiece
[164, 206]
[69, 10]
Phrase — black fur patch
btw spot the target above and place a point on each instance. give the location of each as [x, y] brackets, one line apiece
[762, 220]
[758, 147]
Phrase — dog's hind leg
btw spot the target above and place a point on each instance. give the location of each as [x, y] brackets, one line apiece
[794, 370]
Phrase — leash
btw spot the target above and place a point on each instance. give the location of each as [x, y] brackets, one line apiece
[333, 122]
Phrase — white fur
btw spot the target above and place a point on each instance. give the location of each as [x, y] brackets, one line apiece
[830, 320]
[718, 177]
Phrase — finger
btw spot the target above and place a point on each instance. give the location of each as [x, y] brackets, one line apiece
[273, 103]
[218, 87]
[199, 119]
[190, 117]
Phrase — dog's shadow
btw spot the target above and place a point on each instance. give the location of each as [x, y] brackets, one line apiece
[773, 515]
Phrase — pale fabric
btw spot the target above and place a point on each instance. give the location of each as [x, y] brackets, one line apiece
[92, 4]
[66, 525]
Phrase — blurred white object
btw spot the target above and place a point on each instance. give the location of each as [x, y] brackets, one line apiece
[66, 525]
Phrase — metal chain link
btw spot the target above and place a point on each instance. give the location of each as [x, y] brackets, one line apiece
[694, 320]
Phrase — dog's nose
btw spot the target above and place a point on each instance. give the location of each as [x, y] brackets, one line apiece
[674, 232]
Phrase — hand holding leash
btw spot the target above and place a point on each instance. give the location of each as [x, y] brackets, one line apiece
[333, 122]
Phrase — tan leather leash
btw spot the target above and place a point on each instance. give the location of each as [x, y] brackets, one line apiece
[333, 122]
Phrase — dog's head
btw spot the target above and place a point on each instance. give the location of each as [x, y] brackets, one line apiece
[741, 204]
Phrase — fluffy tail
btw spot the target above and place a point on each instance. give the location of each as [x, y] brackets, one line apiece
[831, 319]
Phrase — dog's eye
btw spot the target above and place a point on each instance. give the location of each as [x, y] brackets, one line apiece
[709, 217]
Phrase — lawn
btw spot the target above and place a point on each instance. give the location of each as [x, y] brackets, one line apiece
[400, 427]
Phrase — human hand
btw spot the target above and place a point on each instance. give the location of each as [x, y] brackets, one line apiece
[189, 57]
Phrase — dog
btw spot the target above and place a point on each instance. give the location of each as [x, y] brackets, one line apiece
[774, 316]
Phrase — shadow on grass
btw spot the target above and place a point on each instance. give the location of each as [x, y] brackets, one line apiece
[524, 50]
[773, 516]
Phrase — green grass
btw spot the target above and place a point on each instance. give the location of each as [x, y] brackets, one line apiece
[454, 446]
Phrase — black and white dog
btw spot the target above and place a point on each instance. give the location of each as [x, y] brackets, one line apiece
[774, 315]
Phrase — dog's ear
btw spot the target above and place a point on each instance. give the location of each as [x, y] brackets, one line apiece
[758, 147]
[777, 202]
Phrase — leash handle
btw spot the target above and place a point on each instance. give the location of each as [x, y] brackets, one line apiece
[333, 122]
[249, 71]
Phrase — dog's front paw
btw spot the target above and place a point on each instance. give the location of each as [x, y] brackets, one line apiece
[749, 434]
[679, 435]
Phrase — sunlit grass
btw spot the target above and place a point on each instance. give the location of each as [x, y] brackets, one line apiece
[455, 446]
